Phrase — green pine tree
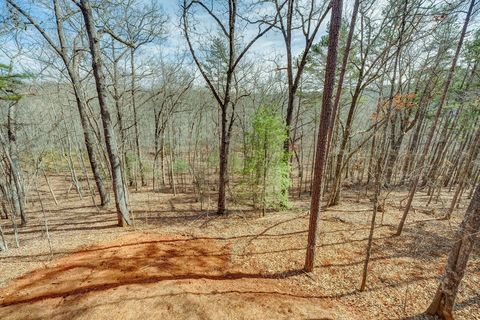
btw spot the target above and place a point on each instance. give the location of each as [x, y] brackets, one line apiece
[265, 172]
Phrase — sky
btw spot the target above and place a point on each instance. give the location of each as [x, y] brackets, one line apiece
[269, 47]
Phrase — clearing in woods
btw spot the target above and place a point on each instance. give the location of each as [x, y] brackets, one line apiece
[179, 262]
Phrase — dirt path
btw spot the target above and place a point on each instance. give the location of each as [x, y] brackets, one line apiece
[145, 275]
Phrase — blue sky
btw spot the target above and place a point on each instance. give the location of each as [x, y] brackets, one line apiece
[267, 48]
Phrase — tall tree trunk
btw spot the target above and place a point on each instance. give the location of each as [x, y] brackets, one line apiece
[380, 164]
[173, 184]
[343, 70]
[162, 157]
[426, 148]
[294, 78]
[226, 125]
[393, 156]
[88, 139]
[456, 158]
[444, 299]
[376, 195]
[373, 146]
[135, 118]
[440, 150]
[465, 171]
[156, 143]
[422, 105]
[82, 109]
[109, 133]
[224, 148]
[325, 121]
[121, 127]
[17, 188]
[287, 34]
[335, 196]
[420, 122]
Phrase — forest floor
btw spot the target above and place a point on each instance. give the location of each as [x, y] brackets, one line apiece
[179, 262]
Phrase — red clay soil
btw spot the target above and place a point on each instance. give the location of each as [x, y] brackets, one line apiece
[148, 276]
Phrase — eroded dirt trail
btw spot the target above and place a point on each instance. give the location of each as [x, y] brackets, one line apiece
[144, 275]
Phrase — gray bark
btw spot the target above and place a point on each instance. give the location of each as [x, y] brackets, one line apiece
[109, 133]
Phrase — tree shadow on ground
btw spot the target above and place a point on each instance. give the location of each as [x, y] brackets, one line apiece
[102, 268]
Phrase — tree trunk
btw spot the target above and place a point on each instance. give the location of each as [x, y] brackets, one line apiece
[287, 35]
[121, 129]
[109, 133]
[335, 196]
[343, 70]
[135, 119]
[465, 171]
[456, 159]
[440, 151]
[325, 120]
[444, 299]
[17, 188]
[392, 157]
[223, 180]
[82, 106]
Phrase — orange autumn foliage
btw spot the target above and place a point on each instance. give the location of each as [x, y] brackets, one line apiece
[399, 102]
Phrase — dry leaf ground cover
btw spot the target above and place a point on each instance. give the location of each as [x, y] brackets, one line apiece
[182, 262]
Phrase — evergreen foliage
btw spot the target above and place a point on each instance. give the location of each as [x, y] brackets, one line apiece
[8, 82]
[265, 173]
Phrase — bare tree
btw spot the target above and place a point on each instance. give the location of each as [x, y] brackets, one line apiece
[306, 16]
[109, 133]
[135, 25]
[222, 93]
[69, 56]
[175, 83]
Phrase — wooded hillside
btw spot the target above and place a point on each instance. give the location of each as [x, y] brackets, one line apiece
[328, 150]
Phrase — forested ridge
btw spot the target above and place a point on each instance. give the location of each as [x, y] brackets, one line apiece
[166, 153]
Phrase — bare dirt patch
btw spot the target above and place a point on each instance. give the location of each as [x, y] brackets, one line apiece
[151, 276]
